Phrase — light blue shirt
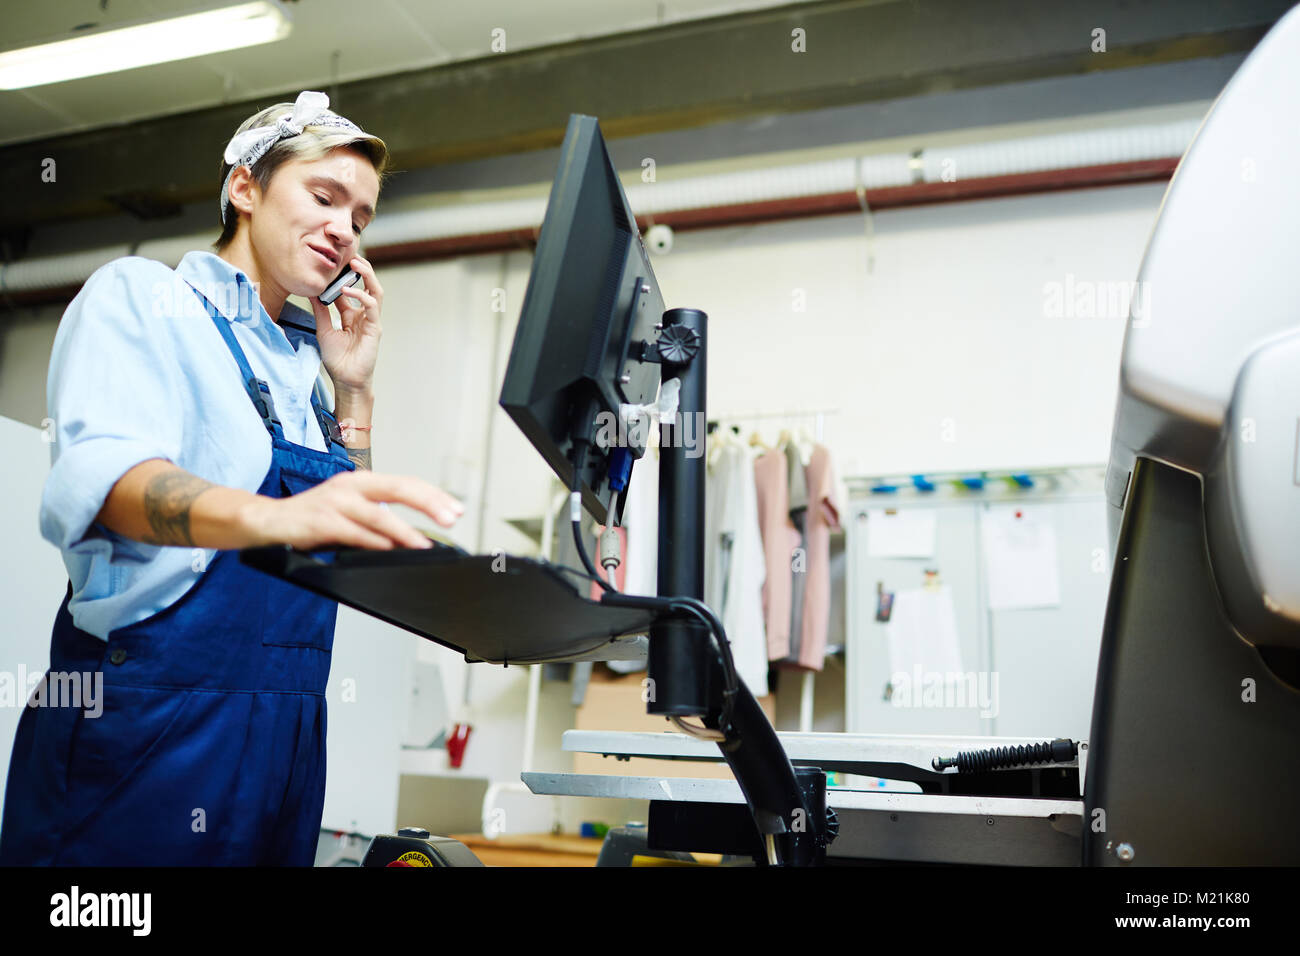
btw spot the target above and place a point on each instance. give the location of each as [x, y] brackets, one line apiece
[139, 371]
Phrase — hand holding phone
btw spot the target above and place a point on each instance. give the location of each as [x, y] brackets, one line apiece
[348, 277]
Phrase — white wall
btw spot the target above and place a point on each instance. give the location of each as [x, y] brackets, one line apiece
[32, 577]
[26, 337]
[949, 324]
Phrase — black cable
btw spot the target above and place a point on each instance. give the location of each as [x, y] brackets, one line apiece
[695, 608]
[580, 459]
[678, 606]
[710, 620]
[649, 602]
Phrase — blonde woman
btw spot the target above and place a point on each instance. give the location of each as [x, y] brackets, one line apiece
[191, 423]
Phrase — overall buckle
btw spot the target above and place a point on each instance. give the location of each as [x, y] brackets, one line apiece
[260, 393]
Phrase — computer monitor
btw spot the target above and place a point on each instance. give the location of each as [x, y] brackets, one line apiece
[593, 335]
[592, 299]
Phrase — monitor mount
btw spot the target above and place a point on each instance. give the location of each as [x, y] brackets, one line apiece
[686, 673]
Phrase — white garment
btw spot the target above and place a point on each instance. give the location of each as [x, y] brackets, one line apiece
[641, 519]
[734, 563]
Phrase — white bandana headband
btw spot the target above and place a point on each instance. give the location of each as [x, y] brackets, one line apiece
[246, 148]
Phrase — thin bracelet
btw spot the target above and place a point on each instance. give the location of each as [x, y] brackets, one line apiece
[359, 428]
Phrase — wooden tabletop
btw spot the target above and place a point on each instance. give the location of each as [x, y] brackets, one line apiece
[532, 849]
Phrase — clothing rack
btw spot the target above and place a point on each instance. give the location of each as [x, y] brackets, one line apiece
[818, 414]
[808, 687]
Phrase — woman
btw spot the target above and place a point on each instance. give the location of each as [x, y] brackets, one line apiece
[190, 424]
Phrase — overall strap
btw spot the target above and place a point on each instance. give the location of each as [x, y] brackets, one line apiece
[329, 427]
[259, 393]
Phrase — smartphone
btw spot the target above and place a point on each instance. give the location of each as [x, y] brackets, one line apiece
[347, 277]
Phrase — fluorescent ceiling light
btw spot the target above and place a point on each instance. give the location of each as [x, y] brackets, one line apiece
[144, 44]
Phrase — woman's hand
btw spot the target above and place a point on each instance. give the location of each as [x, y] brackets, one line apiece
[349, 353]
[346, 510]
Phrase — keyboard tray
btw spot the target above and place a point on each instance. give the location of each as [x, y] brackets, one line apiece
[496, 608]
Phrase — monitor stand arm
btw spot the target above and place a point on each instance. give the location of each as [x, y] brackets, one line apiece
[685, 673]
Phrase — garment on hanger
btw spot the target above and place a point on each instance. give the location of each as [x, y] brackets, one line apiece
[780, 538]
[796, 595]
[641, 519]
[734, 561]
[797, 484]
[837, 625]
[805, 442]
[823, 517]
[640, 528]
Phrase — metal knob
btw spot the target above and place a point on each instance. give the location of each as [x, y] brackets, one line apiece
[678, 344]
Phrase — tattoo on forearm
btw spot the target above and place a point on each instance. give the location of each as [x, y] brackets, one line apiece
[167, 502]
[360, 457]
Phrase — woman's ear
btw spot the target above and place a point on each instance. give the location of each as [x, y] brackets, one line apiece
[240, 189]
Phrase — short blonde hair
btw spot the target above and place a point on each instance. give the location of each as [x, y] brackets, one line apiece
[314, 142]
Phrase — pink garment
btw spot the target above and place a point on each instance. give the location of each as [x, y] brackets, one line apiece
[823, 517]
[780, 539]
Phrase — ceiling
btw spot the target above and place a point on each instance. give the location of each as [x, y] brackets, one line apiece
[422, 74]
[385, 36]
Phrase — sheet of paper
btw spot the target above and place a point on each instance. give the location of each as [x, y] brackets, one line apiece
[1020, 558]
[922, 633]
[906, 533]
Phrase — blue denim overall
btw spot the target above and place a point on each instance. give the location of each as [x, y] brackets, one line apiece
[210, 749]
